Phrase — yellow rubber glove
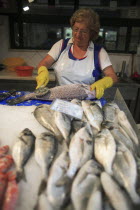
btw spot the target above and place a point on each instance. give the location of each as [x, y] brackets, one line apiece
[43, 77]
[101, 85]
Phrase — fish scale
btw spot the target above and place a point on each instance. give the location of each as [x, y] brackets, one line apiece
[68, 92]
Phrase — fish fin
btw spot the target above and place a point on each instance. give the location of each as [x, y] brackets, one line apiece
[20, 175]
[63, 181]
[42, 186]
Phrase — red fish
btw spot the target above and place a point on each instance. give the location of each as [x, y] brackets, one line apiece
[11, 194]
[3, 185]
[3, 150]
[5, 163]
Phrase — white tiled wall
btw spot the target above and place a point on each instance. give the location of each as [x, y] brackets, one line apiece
[32, 57]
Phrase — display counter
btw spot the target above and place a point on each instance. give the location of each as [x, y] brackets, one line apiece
[129, 89]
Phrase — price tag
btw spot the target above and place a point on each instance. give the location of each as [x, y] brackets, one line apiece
[68, 108]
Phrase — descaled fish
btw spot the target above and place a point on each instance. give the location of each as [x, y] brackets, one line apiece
[84, 184]
[110, 115]
[45, 151]
[125, 171]
[45, 116]
[115, 194]
[96, 201]
[120, 137]
[58, 194]
[94, 114]
[22, 150]
[105, 149]
[125, 124]
[63, 123]
[80, 149]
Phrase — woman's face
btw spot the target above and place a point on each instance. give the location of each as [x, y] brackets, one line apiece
[81, 34]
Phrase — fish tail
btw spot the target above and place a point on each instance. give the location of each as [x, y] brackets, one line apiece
[42, 186]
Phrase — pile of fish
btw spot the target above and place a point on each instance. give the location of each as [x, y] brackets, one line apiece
[67, 92]
[98, 165]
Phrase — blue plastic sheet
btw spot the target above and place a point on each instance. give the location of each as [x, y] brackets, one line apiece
[35, 102]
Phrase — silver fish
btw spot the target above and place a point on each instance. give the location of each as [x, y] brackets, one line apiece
[45, 151]
[78, 102]
[58, 194]
[43, 203]
[77, 124]
[84, 183]
[118, 199]
[94, 114]
[63, 123]
[22, 150]
[119, 136]
[125, 171]
[80, 149]
[45, 116]
[96, 201]
[67, 92]
[105, 149]
[125, 124]
[110, 115]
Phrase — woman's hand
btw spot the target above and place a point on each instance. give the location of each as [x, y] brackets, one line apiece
[101, 85]
[43, 77]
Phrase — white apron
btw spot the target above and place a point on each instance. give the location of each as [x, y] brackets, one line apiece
[70, 71]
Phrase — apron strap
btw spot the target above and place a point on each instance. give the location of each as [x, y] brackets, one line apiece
[64, 45]
[97, 72]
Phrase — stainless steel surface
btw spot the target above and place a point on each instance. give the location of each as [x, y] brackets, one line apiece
[118, 99]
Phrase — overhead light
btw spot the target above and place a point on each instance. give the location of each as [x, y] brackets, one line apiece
[26, 8]
[30, 1]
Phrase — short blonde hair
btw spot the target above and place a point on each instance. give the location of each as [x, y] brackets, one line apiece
[90, 17]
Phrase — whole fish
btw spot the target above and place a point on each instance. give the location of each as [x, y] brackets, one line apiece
[125, 124]
[105, 149]
[57, 193]
[117, 197]
[110, 115]
[79, 102]
[12, 192]
[45, 151]
[67, 92]
[80, 149]
[125, 172]
[84, 183]
[63, 123]
[3, 150]
[43, 203]
[96, 200]
[5, 163]
[76, 124]
[7, 94]
[122, 137]
[45, 116]
[94, 114]
[22, 150]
